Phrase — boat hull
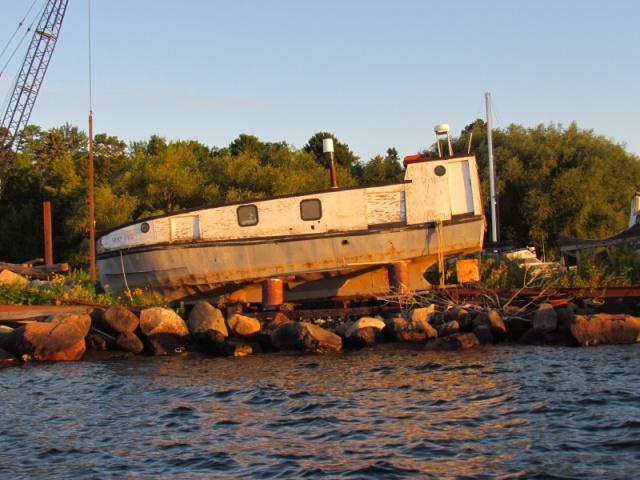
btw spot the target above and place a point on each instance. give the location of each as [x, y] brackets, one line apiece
[310, 266]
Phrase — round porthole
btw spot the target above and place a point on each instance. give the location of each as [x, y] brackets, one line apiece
[440, 170]
[145, 227]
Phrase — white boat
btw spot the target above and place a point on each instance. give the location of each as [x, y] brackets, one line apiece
[369, 240]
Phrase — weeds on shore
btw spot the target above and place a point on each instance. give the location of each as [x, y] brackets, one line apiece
[76, 287]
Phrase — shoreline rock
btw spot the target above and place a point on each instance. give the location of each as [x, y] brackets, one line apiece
[158, 331]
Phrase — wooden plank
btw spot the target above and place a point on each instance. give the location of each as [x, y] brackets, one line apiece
[24, 312]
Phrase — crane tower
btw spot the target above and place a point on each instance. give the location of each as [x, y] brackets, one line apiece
[27, 85]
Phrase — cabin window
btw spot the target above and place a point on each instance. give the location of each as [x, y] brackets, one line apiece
[247, 215]
[440, 170]
[311, 209]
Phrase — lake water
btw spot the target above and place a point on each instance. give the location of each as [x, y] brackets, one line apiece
[491, 412]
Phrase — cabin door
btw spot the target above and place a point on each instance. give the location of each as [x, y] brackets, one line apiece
[460, 188]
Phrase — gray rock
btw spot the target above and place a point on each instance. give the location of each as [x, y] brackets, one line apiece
[516, 327]
[462, 317]
[306, 337]
[203, 318]
[412, 330]
[129, 342]
[545, 318]
[7, 359]
[493, 320]
[166, 344]
[448, 328]
[457, 341]
[95, 341]
[364, 322]
[365, 337]
[483, 334]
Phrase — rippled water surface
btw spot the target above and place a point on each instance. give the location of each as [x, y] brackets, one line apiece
[495, 412]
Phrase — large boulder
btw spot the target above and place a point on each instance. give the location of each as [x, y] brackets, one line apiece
[363, 332]
[604, 329]
[46, 341]
[115, 320]
[545, 318]
[166, 332]
[421, 314]
[243, 326]
[493, 320]
[306, 337]
[83, 322]
[204, 318]
[157, 320]
[516, 327]
[129, 342]
[461, 316]
[416, 329]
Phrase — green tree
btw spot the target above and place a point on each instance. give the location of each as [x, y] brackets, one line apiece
[343, 156]
[380, 169]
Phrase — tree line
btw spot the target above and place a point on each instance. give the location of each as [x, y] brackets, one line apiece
[549, 180]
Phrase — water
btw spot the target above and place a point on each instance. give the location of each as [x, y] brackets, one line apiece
[491, 412]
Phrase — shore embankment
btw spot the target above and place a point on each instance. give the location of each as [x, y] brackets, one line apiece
[86, 332]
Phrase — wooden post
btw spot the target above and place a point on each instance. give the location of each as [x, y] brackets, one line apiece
[48, 243]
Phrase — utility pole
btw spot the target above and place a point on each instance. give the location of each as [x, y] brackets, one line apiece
[492, 188]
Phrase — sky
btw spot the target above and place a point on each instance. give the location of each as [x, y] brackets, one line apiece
[375, 73]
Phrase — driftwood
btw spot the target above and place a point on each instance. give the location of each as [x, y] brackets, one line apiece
[40, 272]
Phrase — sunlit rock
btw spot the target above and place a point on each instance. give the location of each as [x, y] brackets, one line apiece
[83, 322]
[46, 341]
[115, 320]
[157, 320]
[604, 329]
[416, 329]
[165, 332]
[243, 326]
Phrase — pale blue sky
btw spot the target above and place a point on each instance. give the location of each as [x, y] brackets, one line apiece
[375, 73]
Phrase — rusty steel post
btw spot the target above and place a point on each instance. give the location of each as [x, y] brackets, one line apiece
[398, 277]
[48, 242]
[272, 293]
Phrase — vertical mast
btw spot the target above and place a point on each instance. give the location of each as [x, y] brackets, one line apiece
[492, 188]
